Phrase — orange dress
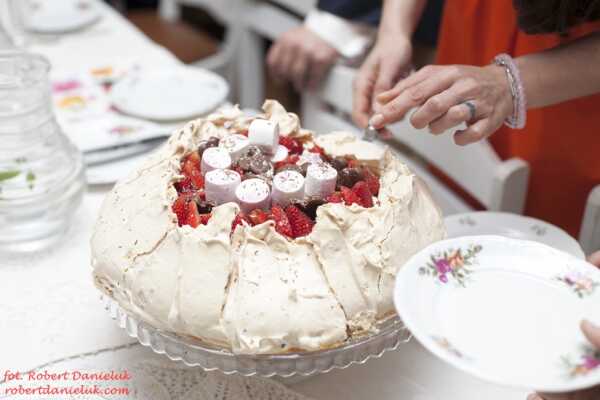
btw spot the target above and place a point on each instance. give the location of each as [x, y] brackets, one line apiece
[561, 142]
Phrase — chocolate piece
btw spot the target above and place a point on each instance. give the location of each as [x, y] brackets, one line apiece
[310, 205]
[247, 159]
[205, 144]
[338, 163]
[252, 151]
[348, 177]
[260, 165]
[204, 206]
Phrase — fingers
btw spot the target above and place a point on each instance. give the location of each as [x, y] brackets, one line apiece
[595, 259]
[592, 333]
[363, 92]
[438, 106]
[413, 96]
[389, 72]
[405, 83]
[299, 71]
[319, 67]
[274, 60]
[474, 133]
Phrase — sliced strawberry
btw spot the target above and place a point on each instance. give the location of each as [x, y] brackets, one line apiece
[192, 216]
[180, 208]
[349, 196]
[282, 223]
[293, 146]
[372, 181]
[184, 186]
[204, 218]
[335, 197]
[258, 216]
[361, 189]
[243, 133]
[301, 224]
[317, 149]
[289, 160]
[240, 219]
[190, 163]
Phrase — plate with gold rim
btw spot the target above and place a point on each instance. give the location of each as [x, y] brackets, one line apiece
[507, 311]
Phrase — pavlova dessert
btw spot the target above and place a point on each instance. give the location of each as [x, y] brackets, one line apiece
[252, 234]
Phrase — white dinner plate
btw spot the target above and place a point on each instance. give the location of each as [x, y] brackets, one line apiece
[169, 94]
[514, 226]
[60, 16]
[504, 310]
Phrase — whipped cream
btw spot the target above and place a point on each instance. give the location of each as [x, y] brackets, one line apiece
[257, 291]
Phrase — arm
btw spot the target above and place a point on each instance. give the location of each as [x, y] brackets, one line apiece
[563, 73]
[438, 92]
[391, 56]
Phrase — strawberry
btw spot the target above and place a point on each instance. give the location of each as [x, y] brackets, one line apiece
[184, 186]
[191, 169]
[289, 160]
[317, 149]
[372, 181]
[301, 224]
[361, 189]
[349, 196]
[179, 207]
[335, 197]
[258, 216]
[192, 216]
[243, 133]
[204, 218]
[240, 219]
[293, 146]
[282, 223]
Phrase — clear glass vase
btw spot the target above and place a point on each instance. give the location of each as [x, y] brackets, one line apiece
[41, 171]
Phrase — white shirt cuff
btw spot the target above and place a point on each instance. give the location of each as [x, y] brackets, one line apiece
[350, 39]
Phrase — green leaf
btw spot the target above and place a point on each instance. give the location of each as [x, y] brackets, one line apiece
[6, 175]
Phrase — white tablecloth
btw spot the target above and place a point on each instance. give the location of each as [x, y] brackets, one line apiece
[51, 311]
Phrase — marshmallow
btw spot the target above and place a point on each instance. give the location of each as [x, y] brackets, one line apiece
[220, 185]
[215, 158]
[236, 145]
[288, 187]
[320, 180]
[280, 154]
[264, 134]
[253, 193]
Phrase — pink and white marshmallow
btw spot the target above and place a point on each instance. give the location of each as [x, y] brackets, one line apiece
[264, 134]
[320, 180]
[235, 145]
[288, 187]
[220, 185]
[280, 154]
[215, 158]
[252, 194]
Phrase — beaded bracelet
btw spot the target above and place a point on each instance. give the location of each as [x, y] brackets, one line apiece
[519, 116]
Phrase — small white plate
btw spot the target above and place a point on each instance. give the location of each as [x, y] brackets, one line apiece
[513, 226]
[504, 310]
[169, 94]
[60, 16]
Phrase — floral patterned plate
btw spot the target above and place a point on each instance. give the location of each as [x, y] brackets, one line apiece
[514, 226]
[505, 310]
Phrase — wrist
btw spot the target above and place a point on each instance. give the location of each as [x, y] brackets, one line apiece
[505, 98]
[519, 115]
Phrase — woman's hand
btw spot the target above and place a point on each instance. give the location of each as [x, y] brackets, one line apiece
[302, 57]
[439, 92]
[592, 333]
[595, 259]
[388, 61]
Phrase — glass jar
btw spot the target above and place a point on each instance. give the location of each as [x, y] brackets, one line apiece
[41, 171]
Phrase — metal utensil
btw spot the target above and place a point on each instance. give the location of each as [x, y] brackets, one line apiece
[370, 133]
[117, 152]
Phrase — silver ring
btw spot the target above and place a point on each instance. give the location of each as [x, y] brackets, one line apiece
[472, 109]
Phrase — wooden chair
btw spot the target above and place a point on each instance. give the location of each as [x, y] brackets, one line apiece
[589, 237]
[498, 185]
[227, 13]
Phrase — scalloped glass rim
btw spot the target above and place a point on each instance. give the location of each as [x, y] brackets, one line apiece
[391, 334]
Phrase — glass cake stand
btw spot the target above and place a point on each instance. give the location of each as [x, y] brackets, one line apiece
[194, 353]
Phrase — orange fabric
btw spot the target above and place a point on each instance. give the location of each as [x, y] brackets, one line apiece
[562, 142]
